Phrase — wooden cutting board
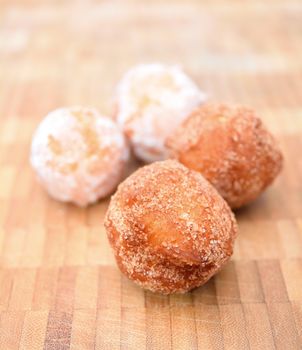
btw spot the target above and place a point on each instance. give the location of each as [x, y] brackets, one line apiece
[59, 286]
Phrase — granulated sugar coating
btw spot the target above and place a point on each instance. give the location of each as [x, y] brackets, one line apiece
[169, 228]
[151, 100]
[231, 148]
[78, 155]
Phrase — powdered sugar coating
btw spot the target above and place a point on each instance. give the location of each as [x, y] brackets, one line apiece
[151, 100]
[78, 155]
[231, 147]
[169, 228]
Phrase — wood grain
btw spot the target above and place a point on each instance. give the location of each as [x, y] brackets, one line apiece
[59, 286]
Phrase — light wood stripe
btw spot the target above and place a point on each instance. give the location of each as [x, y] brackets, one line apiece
[234, 327]
[11, 325]
[83, 329]
[34, 329]
[258, 326]
[283, 326]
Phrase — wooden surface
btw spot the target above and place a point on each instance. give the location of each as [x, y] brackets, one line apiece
[59, 286]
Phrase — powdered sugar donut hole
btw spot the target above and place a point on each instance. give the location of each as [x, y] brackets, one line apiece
[78, 155]
[151, 101]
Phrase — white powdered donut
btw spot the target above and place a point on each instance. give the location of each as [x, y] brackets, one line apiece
[78, 155]
[151, 101]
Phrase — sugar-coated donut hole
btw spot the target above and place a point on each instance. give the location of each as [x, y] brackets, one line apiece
[169, 228]
[231, 148]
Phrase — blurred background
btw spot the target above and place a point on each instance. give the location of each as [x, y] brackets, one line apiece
[73, 52]
[59, 287]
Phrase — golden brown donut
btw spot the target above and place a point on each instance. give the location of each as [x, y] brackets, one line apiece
[231, 148]
[169, 228]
